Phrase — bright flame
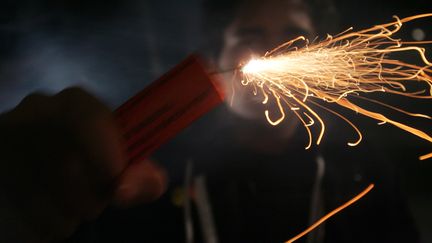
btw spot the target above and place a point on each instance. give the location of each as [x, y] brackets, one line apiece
[339, 69]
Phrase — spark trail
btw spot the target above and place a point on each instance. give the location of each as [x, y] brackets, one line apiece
[339, 69]
[332, 213]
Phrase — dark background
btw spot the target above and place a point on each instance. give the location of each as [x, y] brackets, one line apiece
[115, 48]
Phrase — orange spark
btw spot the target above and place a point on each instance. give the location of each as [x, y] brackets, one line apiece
[339, 68]
[331, 214]
[426, 156]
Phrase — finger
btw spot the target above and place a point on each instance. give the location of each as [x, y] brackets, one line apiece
[93, 126]
[93, 138]
[100, 142]
[140, 182]
[76, 99]
[34, 107]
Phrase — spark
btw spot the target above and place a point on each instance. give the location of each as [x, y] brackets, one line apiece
[338, 70]
[332, 213]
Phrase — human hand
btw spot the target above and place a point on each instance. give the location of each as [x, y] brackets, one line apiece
[62, 163]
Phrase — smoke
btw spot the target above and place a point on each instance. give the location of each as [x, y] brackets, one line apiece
[111, 48]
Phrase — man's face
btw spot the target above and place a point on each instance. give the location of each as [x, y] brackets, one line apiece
[259, 27]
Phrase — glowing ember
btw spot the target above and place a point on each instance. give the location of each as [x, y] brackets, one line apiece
[338, 69]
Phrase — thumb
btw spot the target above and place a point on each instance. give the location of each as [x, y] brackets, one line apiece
[140, 182]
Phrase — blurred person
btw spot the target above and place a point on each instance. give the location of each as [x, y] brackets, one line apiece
[255, 182]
